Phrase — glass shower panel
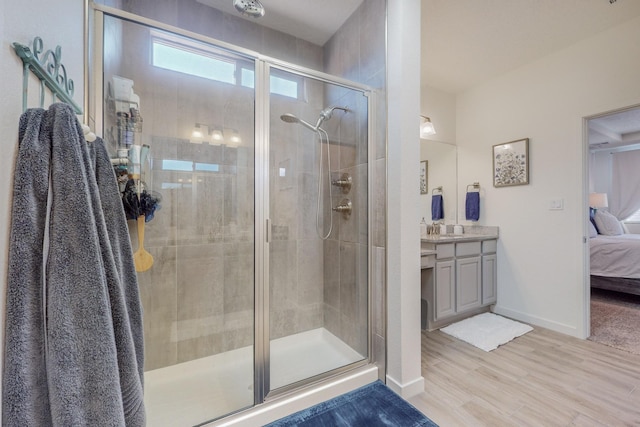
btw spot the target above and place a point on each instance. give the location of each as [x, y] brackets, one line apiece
[193, 106]
[318, 257]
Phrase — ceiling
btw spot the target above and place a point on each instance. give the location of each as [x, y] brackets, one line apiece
[466, 42]
[615, 130]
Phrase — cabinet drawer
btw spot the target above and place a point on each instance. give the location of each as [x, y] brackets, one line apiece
[489, 246]
[445, 250]
[467, 248]
[427, 261]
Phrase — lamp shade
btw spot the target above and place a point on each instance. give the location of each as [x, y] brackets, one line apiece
[426, 127]
[598, 200]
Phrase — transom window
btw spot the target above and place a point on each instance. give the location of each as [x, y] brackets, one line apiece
[175, 54]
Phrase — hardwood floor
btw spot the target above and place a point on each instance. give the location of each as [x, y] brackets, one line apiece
[542, 378]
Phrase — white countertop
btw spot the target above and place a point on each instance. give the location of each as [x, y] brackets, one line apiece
[451, 238]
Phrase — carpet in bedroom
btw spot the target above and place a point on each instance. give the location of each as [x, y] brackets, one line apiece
[614, 320]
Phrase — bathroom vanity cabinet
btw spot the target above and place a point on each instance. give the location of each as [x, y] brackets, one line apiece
[461, 281]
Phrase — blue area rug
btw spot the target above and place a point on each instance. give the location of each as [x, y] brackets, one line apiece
[369, 406]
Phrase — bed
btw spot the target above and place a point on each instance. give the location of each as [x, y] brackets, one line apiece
[615, 262]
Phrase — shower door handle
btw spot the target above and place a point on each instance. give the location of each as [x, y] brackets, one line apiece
[268, 231]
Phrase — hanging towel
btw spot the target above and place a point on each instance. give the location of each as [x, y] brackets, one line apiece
[73, 341]
[437, 207]
[472, 206]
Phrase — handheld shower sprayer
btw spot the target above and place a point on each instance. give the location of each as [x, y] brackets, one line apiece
[290, 118]
[325, 114]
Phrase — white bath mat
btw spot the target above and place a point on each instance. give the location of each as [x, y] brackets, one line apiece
[487, 331]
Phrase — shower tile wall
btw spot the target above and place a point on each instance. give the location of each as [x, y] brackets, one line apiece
[296, 254]
[198, 297]
[357, 52]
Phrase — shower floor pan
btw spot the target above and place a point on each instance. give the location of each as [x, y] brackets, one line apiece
[193, 392]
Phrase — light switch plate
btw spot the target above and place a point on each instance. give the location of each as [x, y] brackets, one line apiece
[556, 204]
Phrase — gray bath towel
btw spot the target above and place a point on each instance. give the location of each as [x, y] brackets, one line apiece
[73, 347]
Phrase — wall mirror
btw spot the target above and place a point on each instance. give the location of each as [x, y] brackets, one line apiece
[442, 172]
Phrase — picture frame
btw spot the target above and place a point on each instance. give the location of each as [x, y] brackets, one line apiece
[424, 176]
[511, 163]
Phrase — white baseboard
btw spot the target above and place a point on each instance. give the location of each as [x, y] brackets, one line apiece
[407, 390]
[537, 321]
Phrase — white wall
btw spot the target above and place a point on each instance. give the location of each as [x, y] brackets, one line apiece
[58, 23]
[541, 252]
[600, 172]
[403, 232]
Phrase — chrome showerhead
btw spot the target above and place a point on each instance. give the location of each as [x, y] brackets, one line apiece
[327, 113]
[251, 8]
[290, 118]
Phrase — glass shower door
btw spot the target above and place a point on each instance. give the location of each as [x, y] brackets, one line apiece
[192, 105]
[217, 327]
[318, 251]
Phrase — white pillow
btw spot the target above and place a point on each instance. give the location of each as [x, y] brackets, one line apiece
[592, 230]
[608, 224]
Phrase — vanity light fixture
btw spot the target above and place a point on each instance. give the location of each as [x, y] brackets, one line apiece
[234, 139]
[216, 135]
[426, 127]
[197, 132]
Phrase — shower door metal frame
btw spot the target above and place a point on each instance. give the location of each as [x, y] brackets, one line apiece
[94, 38]
[369, 93]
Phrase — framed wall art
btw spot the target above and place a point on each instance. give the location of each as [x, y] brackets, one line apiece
[424, 173]
[511, 163]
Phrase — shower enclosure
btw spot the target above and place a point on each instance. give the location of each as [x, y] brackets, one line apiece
[261, 247]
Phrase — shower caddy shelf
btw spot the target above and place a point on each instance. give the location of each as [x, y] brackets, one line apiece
[49, 69]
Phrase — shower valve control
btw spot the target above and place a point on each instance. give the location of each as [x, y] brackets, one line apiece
[345, 208]
[344, 182]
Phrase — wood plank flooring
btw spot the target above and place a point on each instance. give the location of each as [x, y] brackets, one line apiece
[542, 378]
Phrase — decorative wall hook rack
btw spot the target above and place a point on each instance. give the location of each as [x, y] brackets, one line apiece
[50, 71]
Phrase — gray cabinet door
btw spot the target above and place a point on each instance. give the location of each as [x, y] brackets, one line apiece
[445, 289]
[489, 279]
[468, 283]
